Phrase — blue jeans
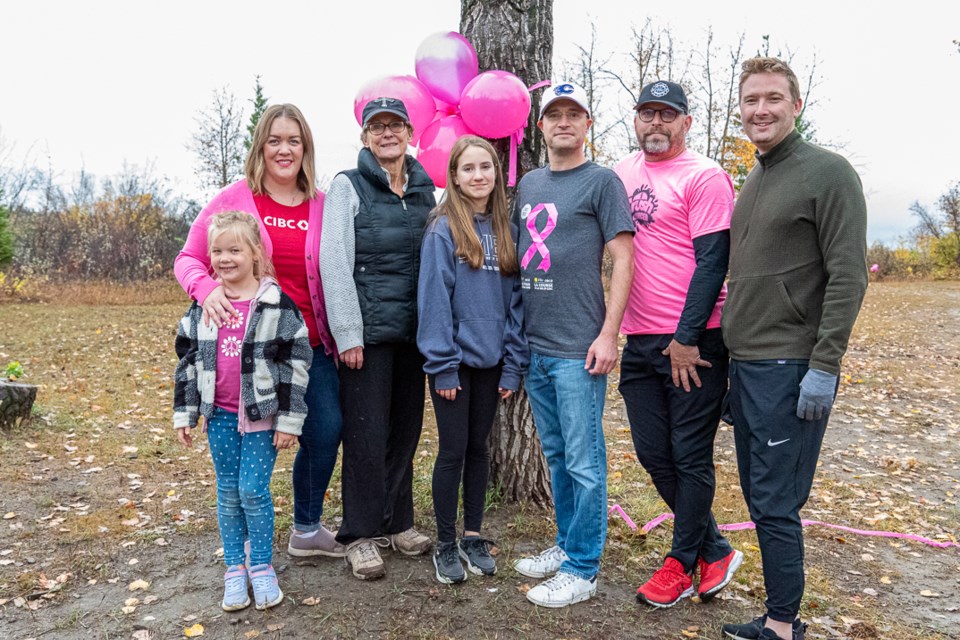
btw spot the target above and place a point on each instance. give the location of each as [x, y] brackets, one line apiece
[567, 405]
[319, 442]
[244, 465]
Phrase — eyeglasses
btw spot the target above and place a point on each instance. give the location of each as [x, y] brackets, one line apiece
[377, 128]
[667, 114]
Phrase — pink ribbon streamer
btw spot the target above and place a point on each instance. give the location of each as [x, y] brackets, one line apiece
[742, 526]
[515, 139]
[538, 238]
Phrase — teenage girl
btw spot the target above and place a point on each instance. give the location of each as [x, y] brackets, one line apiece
[246, 381]
[471, 334]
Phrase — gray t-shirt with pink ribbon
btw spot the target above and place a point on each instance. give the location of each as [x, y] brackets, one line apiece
[565, 218]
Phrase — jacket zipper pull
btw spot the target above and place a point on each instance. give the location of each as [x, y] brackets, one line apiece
[404, 203]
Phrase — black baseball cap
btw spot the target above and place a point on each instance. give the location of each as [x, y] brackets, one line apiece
[664, 92]
[384, 105]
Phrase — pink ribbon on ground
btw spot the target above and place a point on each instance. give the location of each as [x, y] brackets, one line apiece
[742, 526]
[538, 238]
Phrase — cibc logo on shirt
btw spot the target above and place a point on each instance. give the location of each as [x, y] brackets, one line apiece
[285, 223]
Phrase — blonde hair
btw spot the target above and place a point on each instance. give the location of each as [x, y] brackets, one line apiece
[245, 229]
[460, 213]
[763, 64]
[256, 167]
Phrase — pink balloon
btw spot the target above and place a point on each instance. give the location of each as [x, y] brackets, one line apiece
[435, 146]
[445, 63]
[445, 108]
[415, 96]
[495, 104]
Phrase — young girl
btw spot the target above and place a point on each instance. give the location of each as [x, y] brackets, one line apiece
[247, 381]
[471, 334]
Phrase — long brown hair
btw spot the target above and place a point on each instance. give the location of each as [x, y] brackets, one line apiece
[459, 212]
[255, 166]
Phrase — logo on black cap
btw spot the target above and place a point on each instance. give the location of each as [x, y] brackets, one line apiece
[660, 89]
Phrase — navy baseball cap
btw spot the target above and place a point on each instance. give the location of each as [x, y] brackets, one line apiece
[384, 105]
[664, 92]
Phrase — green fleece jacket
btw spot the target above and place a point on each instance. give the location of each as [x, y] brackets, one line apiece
[798, 269]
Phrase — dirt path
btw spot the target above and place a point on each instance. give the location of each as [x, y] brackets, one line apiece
[101, 497]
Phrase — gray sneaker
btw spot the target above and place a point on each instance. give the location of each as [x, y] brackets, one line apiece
[321, 543]
[364, 559]
[410, 542]
[475, 551]
[447, 563]
[753, 630]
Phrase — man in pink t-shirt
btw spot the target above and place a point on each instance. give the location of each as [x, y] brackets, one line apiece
[674, 366]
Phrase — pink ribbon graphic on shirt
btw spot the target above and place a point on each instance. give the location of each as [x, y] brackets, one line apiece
[538, 237]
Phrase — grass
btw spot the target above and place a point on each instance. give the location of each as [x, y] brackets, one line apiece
[103, 359]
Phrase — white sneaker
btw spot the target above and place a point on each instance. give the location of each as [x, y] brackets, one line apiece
[562, 590]
[543, 565]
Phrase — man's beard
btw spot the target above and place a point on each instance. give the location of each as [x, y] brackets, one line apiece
[656, 143]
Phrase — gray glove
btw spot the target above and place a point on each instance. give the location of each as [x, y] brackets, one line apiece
[817, 391]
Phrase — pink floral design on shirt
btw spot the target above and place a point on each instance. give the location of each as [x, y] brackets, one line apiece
[230, 347]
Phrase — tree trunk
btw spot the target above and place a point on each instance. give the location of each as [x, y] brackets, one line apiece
[516, 36]
[16, 402]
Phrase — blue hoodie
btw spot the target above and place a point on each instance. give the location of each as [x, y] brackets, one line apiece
[469, 316]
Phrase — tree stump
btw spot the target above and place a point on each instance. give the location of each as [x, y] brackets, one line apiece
[16, 403]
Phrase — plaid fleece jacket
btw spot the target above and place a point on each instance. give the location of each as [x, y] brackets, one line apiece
[275, 359]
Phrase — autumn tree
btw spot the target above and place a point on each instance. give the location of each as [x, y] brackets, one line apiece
[516, 36]
[218, 141]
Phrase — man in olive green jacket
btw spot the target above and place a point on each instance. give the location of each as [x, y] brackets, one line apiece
[797, 279]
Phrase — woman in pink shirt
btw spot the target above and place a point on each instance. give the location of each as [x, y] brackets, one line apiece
[279, 189]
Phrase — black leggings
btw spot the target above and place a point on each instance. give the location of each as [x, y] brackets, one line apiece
[464, 427]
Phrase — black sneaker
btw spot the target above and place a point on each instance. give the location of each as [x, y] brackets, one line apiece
[475, 551]
[445, 559]
[753, 630]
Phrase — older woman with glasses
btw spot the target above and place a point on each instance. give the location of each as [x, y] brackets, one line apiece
[369, 263]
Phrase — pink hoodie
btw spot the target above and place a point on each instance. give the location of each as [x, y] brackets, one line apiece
[192, 266]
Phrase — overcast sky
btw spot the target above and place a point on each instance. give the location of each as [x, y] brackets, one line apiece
[97, 84]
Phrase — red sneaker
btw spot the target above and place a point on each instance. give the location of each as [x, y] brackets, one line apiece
[668, 585]
[714, 576]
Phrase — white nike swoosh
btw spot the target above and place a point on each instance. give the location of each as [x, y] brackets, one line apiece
[771, 443]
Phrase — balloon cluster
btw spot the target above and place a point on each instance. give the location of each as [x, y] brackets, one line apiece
[449, 99]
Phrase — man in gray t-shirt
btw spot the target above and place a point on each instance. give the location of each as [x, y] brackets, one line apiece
[567, 212]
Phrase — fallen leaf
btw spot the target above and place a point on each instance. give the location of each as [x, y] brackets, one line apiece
[523, 588]
[137, 585]
[275, 627]
[194, 631]
[9, 516]
[926, 593]
[128, 610]
[150, 599]
[310, 602]
[253, 633]
[131, 602]
[885, 580]
[141, 634]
